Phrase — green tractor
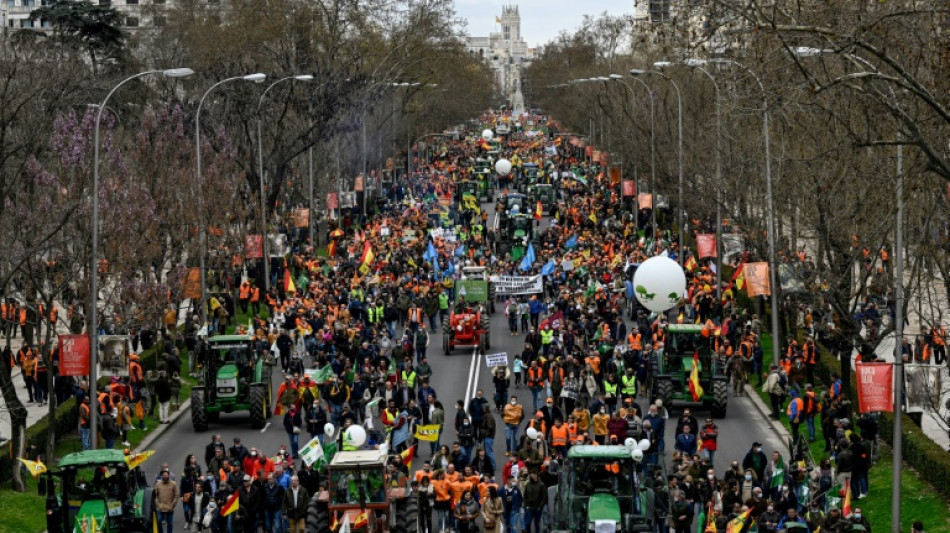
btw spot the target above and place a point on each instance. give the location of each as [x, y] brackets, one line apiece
[514, 238]
[672, 366]
[235, 378]
[463, 188]
[599, 488]
[544, 193]
[96, 486]
[483, 178]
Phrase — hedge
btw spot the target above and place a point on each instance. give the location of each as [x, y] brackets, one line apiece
[66, 419]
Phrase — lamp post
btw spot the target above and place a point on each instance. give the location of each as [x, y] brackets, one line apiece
[260, 169]
[898, 444]
[697, 67]
[679, 119]
[94, 262]
[768, 192]
[619, 78]
[203, 231]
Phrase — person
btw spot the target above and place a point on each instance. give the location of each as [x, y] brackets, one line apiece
[317, 418]
[190, 484]
[486, 433]
[492, 511]
[686, 441]
[466, 513]
[249, 503]
[292, 424]
[513, 415]
[85, 433]
[425, 498]
[917, 527]
[107, 425]
[166, 498]
[773, 386]
[272, 501]
[163, 393]
[769, 520]
[512, 499]
[834, 522]
[791, 516]
[709, 435]
[535, 498]
[466, 435]
[681, 511]
[443, 500]
[755, 459]
[857, 518]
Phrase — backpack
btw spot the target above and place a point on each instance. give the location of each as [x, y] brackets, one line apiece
[825, 482]
[783, 380]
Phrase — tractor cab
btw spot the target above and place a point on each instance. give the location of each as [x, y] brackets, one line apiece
[544, 193]
[673, 365]
[600, 488]
[236, 377]
[514, 238]
[96, 486]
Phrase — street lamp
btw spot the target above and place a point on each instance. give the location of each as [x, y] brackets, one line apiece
[260, 168]
[94, 272]
[664, 64]
[619, 78]
[679, 105]
[768, 191]
[203, 231]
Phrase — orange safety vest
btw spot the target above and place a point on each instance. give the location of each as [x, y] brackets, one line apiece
[245, 291]
[256, 294]
[559, 375]
[535, 377]
[810, 354]
[3, 311]
[538, 425]
[559, 436]
[572, 431]
[103, 396]
[415, 314]
[799, 404]
[22, 317]
[135, 372]
[84, 415]
[634, 341]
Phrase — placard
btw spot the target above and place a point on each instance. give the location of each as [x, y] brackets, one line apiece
[496, 359]
[706, 245]
[875, 387]
[74, 355]
[645, 200]
[301, 217]
[358, 184]
[333, 201]
[311, 452]
[114, 355]
[629, 188]
[348, 200]
[253, 247]
[279, 245]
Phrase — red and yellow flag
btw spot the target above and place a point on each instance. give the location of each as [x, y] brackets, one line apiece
[695, 389]
[289, 282]
[737, 524]
[691, 264]
[361, 520]
[368, 255]
[408, 455]
[846, 505]
[231, 505]
[538, 210]
[331, 248]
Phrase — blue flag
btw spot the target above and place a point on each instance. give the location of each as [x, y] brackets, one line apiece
[572, 242]
[460, 251]
[528, 258]
[548, 269]
[431, 254]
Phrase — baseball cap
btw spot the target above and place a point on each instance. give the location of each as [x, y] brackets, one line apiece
[247, 478]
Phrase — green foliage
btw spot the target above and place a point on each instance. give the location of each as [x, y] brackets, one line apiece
[92, 28]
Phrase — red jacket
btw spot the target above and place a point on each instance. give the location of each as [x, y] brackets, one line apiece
[617, 427]
[708, 436]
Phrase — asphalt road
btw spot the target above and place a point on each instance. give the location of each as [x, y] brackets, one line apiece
[456, 376]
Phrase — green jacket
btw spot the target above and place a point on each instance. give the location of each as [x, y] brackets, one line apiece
[300, 509]
[535, 495]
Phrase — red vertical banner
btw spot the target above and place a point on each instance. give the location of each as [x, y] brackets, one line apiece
[333, 201]
[615, 175]
[192, 288]
[706, 245]
[588, 151]
[645, 200]
[253, 247]
[629, 188]
[595, 156]
[875, 387]
[74, 355]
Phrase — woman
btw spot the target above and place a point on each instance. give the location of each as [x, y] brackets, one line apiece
[443, 499]
[492, 511]
[425, 498]
[481, 464]
[163, 392]
[192, 462]
[442, 459]
[600, 425]
[292, 423]
[570, 393]
[189, 485]
[466, 513]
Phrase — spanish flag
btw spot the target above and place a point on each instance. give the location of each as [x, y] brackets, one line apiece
[135, 459]
[691, 264]
[538, 210]
[331, 248]
[361, 520]
[35, 467]
[368, 255]
[695, 389]
[408, 455]
[231, 505]
[289, 282]
[846, 505]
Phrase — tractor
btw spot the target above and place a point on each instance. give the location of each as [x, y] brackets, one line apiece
[235, 377]
[544, 193]
[97, 486]
[514, 238]
[356, 493]
[530, 173]
[466, 325]
[671, 368]
[599, 489]
[475, 286]
[510, 204]
[483, 178]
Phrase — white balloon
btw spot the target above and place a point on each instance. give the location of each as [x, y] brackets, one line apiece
[659, 283]
[630, 443]
[503, 167]
[636, 455]
[644, 445]
[532, 433]
[328, 429]
[488, 135]
[354, 436]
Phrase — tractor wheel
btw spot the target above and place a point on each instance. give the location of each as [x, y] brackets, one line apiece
[654, 372]
[720, 399]
[482, 344]
[486, 325]
[409, 511]
[148, 509]
[318, 516]
[199, 419]
[257, 400]
[664, 391]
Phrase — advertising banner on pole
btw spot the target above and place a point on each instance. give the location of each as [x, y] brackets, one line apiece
[923, 386]
[192, 288]
[73, 355]
[333, 201]
[706, 245]
[875, 387]
[253, 247]
[629, 188]
[757, 279]
[645, 200]
[301, 217]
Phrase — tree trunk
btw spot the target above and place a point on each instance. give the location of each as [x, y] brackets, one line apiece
[17, 420]
[50, 393]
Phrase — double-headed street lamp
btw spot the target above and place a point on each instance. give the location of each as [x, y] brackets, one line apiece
[619, 78]
[203, 232]
[94, 266]
[260, 168]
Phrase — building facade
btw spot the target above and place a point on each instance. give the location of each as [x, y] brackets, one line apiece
[507, 53]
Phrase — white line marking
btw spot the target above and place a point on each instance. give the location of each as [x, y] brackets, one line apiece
[471, 374]
[267, 425]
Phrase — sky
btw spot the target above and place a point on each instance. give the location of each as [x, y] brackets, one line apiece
[541, 20]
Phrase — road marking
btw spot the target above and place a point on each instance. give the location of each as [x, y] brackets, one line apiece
[267, 425]
[471, 373]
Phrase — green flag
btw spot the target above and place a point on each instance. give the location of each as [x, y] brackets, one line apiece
[778, 474]
[329, 450]
[701, 523]
[324, 375]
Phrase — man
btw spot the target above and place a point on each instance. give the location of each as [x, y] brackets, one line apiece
[755, 460]
[659, 426]
[687, 420]
[535, 498]
[776, 391]
[85, 433]
[796, 414]
[209, 449]
[296, 499]
[513, 415]
[535, 384]
[709, 435]
[487, 433]
[686, 442]
[858, 519]
[814, 515]
[769, 520]
[420, 342]
[238, 452]
[834, 522]
[249, 504]
[681, 512]
[166, 497]
[512, 499]
[792, 516]
[272, 501]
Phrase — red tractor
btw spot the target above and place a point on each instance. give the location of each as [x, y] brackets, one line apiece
[466, 325]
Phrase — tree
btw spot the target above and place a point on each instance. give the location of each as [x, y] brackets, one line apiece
[81, 25]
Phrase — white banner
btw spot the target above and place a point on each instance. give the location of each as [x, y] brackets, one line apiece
[496, 359]
[518, 284]
[731, 245]
[312, 452]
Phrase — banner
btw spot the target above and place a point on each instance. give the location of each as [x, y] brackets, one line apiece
[588, 151]
[312, 452]
[645, 200]
[555, 321]
[114, 355]
[518, 284]
[629, 188]
[614, 173]
[358, 184]
[192, 285]
[731, 245]
[253, 247]
[428, 433]
[706, 245]
[595, 156]
[333, 201]
[278, 245]
[875, 387]
[496, 359]
[301, 217]
[472, 290]
[73, 355]
[922, 386]
[789, 279]
[348, 200]
[757, 279]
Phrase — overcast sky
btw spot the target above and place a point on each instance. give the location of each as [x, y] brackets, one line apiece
[541, 20]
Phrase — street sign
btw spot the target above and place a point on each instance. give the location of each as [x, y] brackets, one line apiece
[496, 359]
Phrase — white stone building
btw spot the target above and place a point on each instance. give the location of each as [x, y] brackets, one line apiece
[507, 53]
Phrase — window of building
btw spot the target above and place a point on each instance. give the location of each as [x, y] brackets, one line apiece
[507, 32]
[105, 2]
[659, 10]
[131, 21]
[131, 2]
[26, 23]
[159, 21]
